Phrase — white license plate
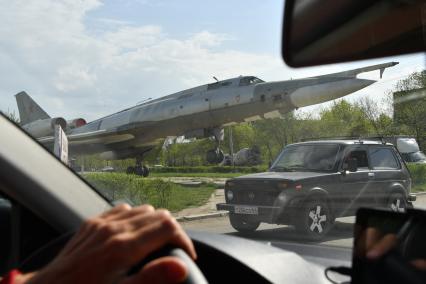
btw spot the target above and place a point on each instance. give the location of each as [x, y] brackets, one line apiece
[250, 210]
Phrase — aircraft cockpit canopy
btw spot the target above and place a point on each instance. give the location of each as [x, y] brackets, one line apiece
[245, 81]
[240, 81]
[220, 84]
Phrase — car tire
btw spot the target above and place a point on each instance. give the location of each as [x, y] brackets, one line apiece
[397, 202]
[314, 220]
[214, 156]
[242, 223]
[139, 171]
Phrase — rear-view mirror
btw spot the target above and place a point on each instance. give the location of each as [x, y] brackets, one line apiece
[328, 31]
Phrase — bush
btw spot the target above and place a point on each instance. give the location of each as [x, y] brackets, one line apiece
[137, 190]
[212, 169]
[157, 192]
[418, 173]
[163, 190]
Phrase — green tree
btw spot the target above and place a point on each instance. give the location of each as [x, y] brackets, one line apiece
[378, 116]
[344, 119]
[410, 106]
[12, 116]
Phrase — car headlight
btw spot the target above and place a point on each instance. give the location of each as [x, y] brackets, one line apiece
[229, 195]
[229, 184]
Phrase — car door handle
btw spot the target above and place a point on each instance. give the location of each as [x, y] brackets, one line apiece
[371, 175]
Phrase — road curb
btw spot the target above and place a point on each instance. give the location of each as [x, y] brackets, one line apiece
[202, 216]
[226, 213]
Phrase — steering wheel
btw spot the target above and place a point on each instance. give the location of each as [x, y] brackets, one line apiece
[45, 254]
[195, 276]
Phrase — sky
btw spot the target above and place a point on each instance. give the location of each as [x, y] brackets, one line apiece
[92, 58]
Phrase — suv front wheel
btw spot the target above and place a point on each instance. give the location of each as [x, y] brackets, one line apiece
[315, 219]
[397, 202]
[242, 223]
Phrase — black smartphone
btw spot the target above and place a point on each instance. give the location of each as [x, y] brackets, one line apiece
[401, 237]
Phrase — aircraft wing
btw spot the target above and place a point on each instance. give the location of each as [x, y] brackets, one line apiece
[354, 72]
[93, 137]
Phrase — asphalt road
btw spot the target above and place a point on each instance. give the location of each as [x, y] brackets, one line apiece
[340, 235]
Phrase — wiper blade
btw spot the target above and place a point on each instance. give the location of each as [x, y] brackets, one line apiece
[282, 169]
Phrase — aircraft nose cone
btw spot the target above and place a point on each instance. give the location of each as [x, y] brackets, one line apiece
[319, 93]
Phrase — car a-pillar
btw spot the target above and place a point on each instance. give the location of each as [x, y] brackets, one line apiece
[314, 217]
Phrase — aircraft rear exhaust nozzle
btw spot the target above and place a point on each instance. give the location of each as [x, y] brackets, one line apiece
[319, 93]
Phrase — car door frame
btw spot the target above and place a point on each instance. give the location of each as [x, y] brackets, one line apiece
[386, 180]
[354, 183]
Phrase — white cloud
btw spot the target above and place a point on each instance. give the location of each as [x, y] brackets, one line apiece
[206, 38]
[51, 54]
[73, 77]
[129, 37]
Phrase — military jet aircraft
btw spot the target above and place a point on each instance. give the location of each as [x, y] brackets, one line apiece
[198, 112]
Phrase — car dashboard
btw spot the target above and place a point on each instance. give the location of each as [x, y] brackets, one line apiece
[224, 259]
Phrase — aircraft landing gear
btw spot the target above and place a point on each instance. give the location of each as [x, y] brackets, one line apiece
[216, 156]
[139, 169]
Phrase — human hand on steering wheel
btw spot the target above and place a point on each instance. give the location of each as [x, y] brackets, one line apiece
[106, 247]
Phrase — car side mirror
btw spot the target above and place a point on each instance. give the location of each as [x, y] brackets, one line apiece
[351, 165]
[327, 31]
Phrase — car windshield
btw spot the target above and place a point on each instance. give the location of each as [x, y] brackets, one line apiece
[417, 157]
[160, 102]
[307, 158]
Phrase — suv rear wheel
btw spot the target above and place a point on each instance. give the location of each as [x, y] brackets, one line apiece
[397, 202]
[242, 223]
[315, 219]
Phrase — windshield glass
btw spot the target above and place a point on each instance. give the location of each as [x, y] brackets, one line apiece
[307, 158]
[416, 157]
[255, 80]
[249, 81]
[148, 96]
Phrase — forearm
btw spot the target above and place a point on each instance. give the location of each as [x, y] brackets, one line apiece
[16, 277]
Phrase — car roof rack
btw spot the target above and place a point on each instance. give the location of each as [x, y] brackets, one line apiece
[359, 138]
[383, 139]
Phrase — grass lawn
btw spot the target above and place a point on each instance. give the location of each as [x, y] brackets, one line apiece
[210, 175]
[159, 193]
[183, 197]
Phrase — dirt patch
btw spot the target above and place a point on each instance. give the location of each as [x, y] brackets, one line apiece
[210, 207]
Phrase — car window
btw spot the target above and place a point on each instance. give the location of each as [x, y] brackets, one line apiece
[360, 156]
[407, 157]
[414, 157]
[307, 158]
[183, 107]
[383, 159]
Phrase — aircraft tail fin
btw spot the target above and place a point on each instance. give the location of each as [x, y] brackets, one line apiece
[29, 110]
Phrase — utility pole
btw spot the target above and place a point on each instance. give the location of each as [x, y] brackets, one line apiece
[231, 146]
